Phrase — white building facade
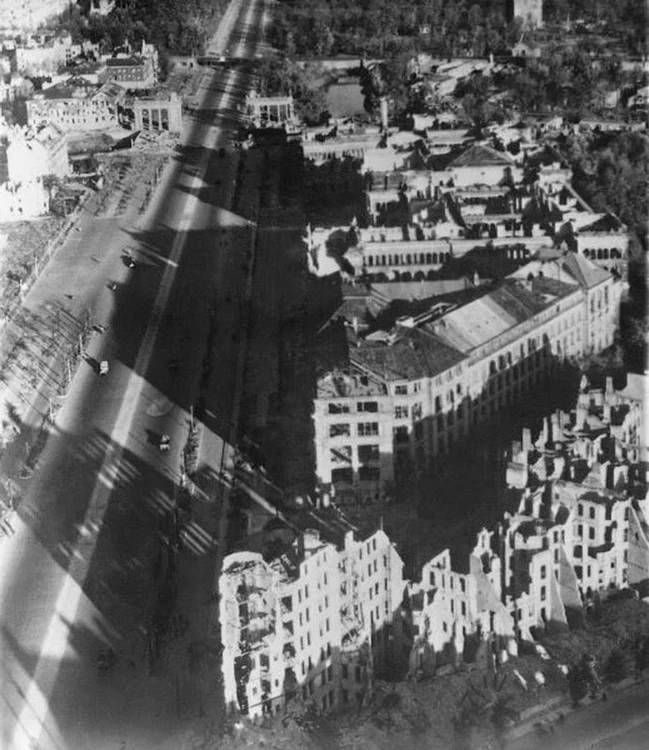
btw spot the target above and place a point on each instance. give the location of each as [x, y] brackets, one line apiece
[310, 625]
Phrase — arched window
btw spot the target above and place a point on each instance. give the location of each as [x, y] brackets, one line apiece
[434, 257]
[429, 258]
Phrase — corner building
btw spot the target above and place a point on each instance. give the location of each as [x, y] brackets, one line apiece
[409, 394]
[313, 624]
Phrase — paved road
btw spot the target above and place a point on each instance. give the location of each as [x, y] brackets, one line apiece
[87, 567]
[621, 723]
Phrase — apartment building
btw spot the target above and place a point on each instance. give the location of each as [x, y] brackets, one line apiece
[580, 531]
[132, 72]
[76, 105]
[320, 145]
[408, 394]
[450, 605]
[452, 204]
[32, 154]
[310, 624]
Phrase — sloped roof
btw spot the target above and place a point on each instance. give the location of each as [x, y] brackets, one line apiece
[74, 87]
[637, 387]
[415, 354]
[49, 133]
[607, 223]
[480, 155]
[123, 62]
[491, 315]
[112, 89]
[588, 274]
[408, 290]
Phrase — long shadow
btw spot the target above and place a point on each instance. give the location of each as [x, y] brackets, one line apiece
[196, 347]
[124, 554]
[123, 557]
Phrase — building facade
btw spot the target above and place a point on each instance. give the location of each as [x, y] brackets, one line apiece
[269, 111]
[408, 395]
[76, 105]
[134, 73]
[579, 533]
[310, 624]
[32, 155]
[160, 113]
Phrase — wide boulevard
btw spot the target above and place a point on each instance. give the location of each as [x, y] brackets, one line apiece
[93, 563]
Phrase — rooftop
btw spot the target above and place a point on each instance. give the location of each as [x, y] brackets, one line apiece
[607, 223]
[491, 315]
[414, 354]
[124, 62]
[480, 155]
[75, 87]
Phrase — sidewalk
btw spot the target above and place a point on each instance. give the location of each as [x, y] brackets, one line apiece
[558, 708]
[191, 656]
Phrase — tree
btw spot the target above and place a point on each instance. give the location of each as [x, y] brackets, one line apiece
[642, 654]
[618, 665]
[282, 77]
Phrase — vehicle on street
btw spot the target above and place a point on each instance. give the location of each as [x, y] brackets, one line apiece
[112, 286]
[165, 442]
[103, 367]
[128, 260]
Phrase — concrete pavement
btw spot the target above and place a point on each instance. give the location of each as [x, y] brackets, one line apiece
[619, 723]
[90, 562]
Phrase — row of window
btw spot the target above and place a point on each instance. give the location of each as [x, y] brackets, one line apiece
[407, 259]
[602, 253]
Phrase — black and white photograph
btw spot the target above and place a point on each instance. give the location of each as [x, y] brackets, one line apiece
[323, 369]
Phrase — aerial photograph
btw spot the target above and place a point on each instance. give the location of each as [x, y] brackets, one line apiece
[323, 375]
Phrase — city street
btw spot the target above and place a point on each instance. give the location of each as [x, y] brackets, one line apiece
[621, 723]
[92, 563]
